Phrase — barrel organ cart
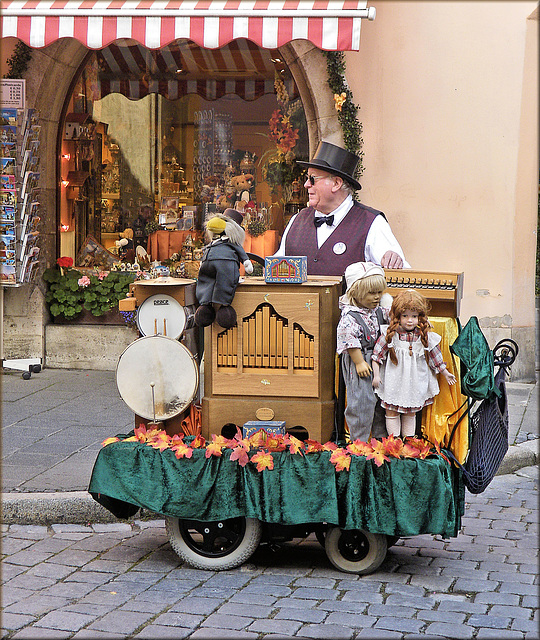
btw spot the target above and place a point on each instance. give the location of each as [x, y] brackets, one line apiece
[277, 365]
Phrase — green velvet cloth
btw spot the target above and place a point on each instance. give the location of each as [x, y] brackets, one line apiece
[403, 497]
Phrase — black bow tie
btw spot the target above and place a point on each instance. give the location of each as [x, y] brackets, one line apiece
[322, 219]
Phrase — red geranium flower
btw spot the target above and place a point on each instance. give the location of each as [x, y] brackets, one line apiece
[65, 262]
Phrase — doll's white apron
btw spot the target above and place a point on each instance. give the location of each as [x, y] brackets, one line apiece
[411, 384]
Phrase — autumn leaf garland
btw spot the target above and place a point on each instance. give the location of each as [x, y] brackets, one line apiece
[380, 451]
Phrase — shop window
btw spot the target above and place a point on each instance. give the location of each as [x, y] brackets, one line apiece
[159, 139]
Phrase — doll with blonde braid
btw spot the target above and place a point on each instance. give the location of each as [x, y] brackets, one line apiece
[406, 361]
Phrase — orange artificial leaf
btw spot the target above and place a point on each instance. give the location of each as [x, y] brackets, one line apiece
[160, 441]
[341, 460]
[377, 455]
[393, 446]
[131, 439]
[359, 448]
[181, 449]
[140, 432]
[220, 440]
[264, 460]
[198, 442]
[213, 449]
[424, 448]
[275, 443]
[109, 441]
[313, 446]
[258, 439]
[295, 445]
[330, 446]
[409, 451]
[240, 453]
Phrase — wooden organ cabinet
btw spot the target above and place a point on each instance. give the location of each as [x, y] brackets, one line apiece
[278, 362]
[443, 289]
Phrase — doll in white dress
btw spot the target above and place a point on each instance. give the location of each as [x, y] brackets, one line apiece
[406, 361]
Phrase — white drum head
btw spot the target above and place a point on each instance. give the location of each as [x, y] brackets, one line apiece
[167, 364]
[161, 315]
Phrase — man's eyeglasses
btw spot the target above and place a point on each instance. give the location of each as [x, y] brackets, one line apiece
[312, 179]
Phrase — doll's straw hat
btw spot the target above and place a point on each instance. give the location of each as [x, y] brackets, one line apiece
[360, 270]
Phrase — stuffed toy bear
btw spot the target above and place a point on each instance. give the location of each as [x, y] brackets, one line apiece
[219, 272]
[125, 246]
[242, 185]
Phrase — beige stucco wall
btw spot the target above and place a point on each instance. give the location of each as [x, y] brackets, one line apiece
[448, 96]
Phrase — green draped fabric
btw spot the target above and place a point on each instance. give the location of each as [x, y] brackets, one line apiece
[403, 497]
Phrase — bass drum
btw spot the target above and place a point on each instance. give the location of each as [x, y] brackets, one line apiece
[161, 365]
[161, 315]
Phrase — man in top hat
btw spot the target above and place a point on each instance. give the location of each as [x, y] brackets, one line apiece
[334, 230]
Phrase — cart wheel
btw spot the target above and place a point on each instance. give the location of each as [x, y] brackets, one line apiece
[355, 551]
[220, 545]
[26, 375]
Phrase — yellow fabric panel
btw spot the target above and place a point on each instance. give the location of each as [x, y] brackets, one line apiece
[436, 421]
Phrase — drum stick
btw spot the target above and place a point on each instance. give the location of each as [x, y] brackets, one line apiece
[164, 326]
[152, 385]
[155, 326]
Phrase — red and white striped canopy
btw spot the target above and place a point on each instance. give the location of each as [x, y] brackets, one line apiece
[240, 68]
[332, 25]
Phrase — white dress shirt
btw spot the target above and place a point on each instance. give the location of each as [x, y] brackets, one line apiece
[379, 240]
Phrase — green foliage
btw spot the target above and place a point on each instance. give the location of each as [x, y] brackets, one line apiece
[67, 298]
[352, 128]
[256, 228]
[18, 63]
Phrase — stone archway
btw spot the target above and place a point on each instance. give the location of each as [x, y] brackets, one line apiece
[54, 68]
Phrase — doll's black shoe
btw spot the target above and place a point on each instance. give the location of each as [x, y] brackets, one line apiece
[226, 317]
[204, 316]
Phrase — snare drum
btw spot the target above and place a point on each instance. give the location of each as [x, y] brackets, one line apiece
[165, 363]
[161, 315]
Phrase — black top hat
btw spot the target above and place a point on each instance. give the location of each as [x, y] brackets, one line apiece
[335, 160]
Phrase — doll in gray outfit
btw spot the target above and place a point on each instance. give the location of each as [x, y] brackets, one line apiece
[357, 332]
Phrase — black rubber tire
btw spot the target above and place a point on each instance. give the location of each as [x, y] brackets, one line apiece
[355, 551]
[216, 546]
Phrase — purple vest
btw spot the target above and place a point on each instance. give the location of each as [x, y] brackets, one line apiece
[351, 232]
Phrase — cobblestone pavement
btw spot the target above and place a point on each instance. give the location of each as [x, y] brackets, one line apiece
[124, 581]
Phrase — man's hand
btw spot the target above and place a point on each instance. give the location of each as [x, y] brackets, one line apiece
[392, 260]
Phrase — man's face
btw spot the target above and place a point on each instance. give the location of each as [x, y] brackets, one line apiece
[324, 192]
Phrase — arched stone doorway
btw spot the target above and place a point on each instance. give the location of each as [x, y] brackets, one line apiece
[60, 63]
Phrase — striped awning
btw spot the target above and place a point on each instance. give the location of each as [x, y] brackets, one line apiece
[332, 25]
[240, 68]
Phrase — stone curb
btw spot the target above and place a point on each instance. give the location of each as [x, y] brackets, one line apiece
[78, 507]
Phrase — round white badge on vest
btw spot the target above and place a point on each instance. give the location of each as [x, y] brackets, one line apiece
[339, 248]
